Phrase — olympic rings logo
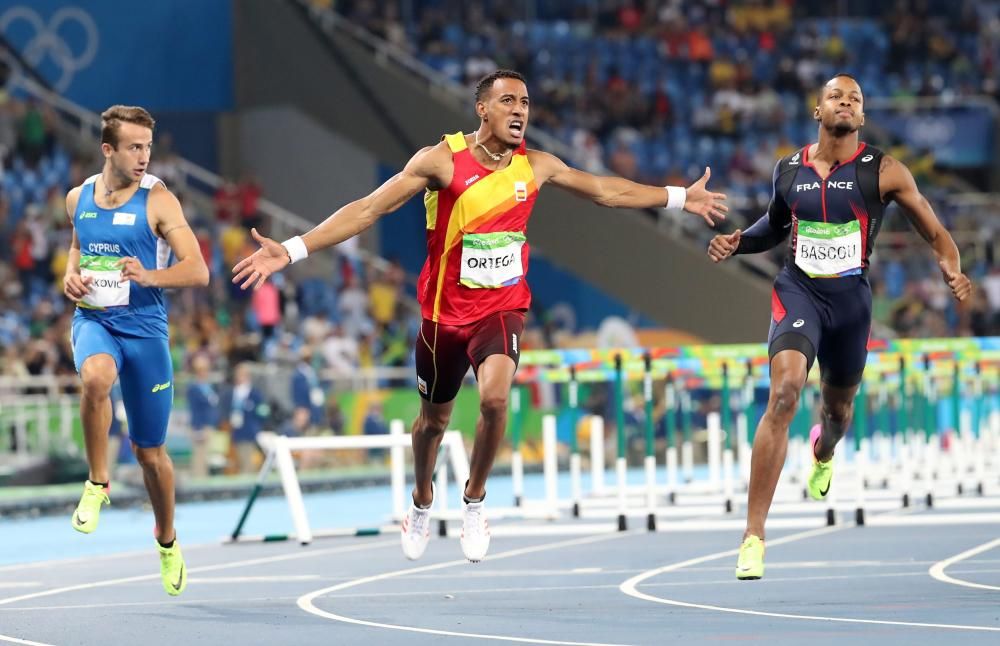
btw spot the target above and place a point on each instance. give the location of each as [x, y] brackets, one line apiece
[47, 41]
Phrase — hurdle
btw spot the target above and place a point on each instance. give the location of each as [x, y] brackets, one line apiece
[278, 454]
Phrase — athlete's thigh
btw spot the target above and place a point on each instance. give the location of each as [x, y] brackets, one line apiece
[843, 350]
[497, 334]
[147, 380]
[442, 359]
[796, 323]
[90, 338]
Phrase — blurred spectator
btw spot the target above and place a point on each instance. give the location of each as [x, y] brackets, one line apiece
[307, 393]
[375, 424]
[203, 404]
[246, 410]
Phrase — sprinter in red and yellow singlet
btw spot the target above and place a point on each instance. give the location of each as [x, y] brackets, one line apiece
[479, 190]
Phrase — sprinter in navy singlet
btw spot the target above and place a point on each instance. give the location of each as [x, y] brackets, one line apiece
[828, 198]
[126, 224]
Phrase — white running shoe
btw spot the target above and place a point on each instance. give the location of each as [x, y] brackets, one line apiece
[416, 532]
[475, 531]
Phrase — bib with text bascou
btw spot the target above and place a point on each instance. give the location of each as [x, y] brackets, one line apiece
[827, 250]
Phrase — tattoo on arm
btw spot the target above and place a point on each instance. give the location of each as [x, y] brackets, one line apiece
[174, 228]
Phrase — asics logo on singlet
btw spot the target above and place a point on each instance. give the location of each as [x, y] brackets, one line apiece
[88, 215]
[829, 184]
[868, 158]
[160, 387]
[471, 179]
[798, 323]
[103, 247]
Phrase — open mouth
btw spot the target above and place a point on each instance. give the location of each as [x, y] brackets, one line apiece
[516, 127]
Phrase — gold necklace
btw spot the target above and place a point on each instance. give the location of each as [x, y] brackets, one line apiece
[494, 156]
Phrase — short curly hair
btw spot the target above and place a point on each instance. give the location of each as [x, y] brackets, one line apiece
[486, 83]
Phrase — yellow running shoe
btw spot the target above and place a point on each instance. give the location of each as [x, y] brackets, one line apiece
[750, 564]
[172, 570]
[89, 510]
[818, 482]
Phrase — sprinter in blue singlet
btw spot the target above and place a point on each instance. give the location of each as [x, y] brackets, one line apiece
[829, 197]
[126, 225]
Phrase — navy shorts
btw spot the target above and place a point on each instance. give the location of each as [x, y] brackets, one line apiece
[445, 352]
[829, 319]
[145, 371]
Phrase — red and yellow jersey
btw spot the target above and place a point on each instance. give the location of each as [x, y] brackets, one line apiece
[477, 252]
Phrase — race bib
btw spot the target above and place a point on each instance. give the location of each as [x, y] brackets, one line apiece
[825, 250]
[107, 289]
[491, 260]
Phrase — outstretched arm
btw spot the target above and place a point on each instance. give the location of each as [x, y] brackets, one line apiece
[897, 183]
[431, 166]
[618, 192]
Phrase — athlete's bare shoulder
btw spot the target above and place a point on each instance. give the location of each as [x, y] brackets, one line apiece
[72, 199]
[433, 163]
[544, 165]
[893, 176]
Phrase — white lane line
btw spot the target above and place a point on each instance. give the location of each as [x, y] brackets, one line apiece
[207, 568]
[255, 579]
[20, 584]
[306, 602]
[630, 587]
[15, 640]
[937, 570]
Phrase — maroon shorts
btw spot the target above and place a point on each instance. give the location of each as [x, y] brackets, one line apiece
[445, 352]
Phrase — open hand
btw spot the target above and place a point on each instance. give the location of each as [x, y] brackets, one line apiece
[701, 201]
[270, 258]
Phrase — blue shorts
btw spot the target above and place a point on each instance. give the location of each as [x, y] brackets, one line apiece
[145, 371]
[829, 319]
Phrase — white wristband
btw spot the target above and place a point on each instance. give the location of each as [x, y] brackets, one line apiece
[676, 197]
[296, 249]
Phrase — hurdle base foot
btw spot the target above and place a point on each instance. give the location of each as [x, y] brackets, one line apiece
[906, 500]
[859, 517]
[929, 500]
[831, 518]
[443, 528]
[651, 522]
[622, 523]
[576, 510]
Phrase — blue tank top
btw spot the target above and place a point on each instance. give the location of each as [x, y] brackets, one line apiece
[106, 236]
